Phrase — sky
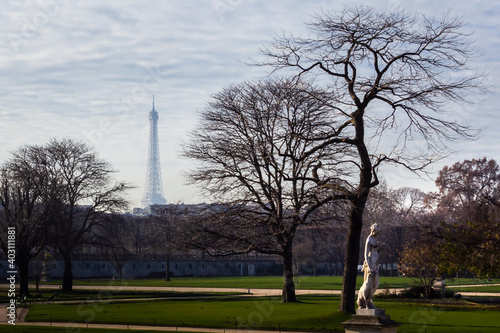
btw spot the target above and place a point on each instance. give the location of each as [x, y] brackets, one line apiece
[88, 69]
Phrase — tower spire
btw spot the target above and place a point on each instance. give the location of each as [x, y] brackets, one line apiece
[153, 191]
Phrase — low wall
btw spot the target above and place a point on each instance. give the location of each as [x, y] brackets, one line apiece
[149, 269]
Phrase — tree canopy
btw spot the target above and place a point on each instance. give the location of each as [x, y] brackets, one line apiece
[468, 205]
[387, 73]
[257, 146]
[58, 194]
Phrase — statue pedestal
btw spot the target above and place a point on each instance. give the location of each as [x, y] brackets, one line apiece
[370, 320]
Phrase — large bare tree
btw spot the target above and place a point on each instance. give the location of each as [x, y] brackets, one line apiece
[86, 194]
[392, 75]
[23, 209]
[251, 145]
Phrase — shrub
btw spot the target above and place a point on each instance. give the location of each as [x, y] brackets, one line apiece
[418, 292]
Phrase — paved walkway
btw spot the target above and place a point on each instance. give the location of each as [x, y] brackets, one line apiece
[247, 291]
[264, 292]
[474, 285]
[152, 328]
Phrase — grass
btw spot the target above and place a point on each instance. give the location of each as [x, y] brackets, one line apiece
[41, 329]
[43, 295]
[247, 282]
[312, 313]
[263, 313]
[462, 281]
[436, 317]
[267, 282]
[486, 289]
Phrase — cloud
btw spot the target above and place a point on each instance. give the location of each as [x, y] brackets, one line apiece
[88, 70]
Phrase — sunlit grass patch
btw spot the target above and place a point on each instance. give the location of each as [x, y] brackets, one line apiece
[312, 313]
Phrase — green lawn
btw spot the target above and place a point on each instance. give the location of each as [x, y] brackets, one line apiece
[248, 282]
[265, 313]
[486, 289]
[314, 313]
[41, 329]
[56, 295]
[458, 281]
[267, 282]
[442, 318]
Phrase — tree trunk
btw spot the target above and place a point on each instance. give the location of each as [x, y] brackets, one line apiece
[67, 282]
[23, 267]
[167, 268]
[120, 271]
[288, 294]
[348, 298]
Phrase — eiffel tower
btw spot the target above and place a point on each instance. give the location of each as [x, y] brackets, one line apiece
[153, 191]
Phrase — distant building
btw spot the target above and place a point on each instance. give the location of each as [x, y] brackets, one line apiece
[179, 209]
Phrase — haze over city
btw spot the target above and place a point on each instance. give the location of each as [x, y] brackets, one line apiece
[88, 70]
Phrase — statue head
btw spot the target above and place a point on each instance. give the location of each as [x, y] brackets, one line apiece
[375, 229]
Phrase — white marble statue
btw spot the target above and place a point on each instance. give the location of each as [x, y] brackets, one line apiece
[370, 268]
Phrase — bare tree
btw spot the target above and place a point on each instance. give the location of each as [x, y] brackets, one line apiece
[23, 209]
[166, 231]
[398, 211]
[86, 194]
[139, 231]
[409, 210]
[391, 74]
[252, 145]
[323, 242]
[115, 242]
